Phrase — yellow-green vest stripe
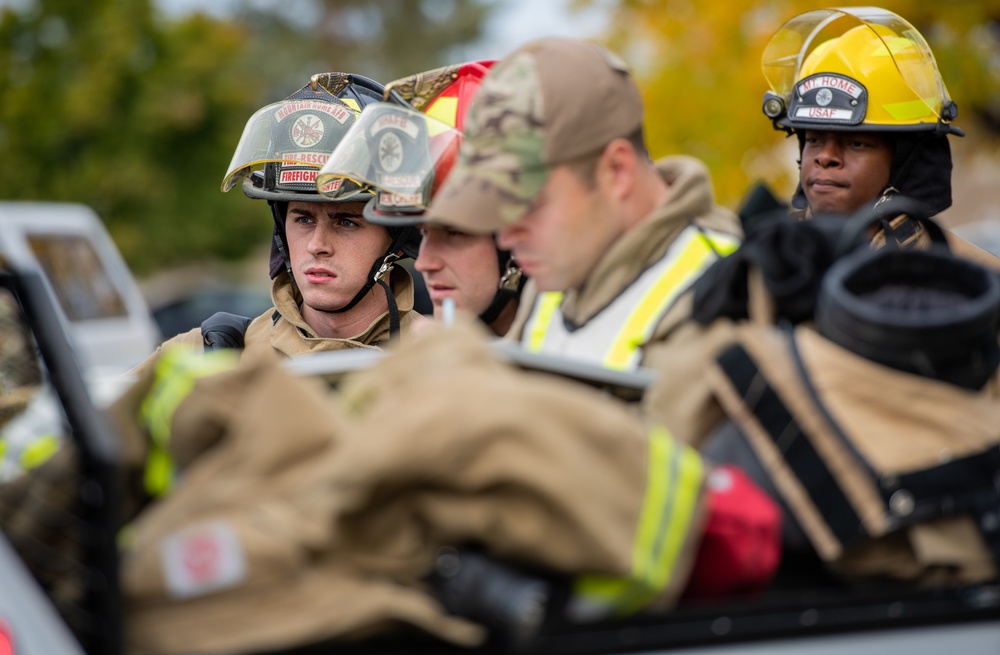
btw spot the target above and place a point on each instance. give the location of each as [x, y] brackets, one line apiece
[642, 321]
[614, 336]
[548, 303]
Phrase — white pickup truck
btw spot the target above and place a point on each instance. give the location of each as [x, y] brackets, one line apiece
[109, 324]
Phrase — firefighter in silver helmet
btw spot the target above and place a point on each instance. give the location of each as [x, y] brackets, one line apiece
[334, 285]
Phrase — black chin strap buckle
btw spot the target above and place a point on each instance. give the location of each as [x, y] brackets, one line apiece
[386, 267]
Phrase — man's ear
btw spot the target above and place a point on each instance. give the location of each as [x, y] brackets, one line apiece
[617, 168]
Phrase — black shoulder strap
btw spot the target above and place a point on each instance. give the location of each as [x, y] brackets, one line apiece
[224, 330]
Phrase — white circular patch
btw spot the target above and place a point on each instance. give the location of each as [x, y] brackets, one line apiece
[823, 97]
[720, 480]
[307, 130]
[390, 152]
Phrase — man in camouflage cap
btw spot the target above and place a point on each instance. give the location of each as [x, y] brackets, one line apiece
[554, 160]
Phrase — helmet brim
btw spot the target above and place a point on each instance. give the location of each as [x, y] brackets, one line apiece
[391, 219]
[255, 192]
[800, 126]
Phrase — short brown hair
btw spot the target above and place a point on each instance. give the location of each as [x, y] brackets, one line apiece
[585, 168]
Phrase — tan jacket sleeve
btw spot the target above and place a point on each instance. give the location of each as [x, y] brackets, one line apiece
[969, 252]
[192, 337]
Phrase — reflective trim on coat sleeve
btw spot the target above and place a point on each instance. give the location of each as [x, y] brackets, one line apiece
[175, 374]
[675, 479]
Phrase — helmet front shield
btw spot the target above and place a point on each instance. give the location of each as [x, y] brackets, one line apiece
[295, 137]
[398, 151]
[813, 60]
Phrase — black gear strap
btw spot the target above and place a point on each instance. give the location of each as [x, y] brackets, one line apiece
[393, 310]
[797, 450]
[509, 288]
[279, 252]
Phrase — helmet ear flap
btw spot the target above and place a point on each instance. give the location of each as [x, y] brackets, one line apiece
[405, 239]
[278, 260]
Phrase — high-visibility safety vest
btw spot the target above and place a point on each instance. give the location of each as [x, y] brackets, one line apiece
[175, 374]
[670, 510]
[613, 338]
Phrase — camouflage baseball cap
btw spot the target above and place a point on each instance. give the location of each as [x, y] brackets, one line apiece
[552, 101]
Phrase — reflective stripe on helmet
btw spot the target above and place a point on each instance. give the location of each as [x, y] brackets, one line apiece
[674, 483]
[175, 374]
[614, 337]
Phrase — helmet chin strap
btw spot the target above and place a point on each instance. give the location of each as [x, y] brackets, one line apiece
[509, 288]
[376, 274]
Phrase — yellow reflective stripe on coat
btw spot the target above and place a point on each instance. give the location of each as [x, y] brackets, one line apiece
[548, 303]
[673, 490]
[175, 374]
[613, 337]
[689, 263]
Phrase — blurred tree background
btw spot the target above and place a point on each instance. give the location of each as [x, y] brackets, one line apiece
[111, 103]
[135, 112]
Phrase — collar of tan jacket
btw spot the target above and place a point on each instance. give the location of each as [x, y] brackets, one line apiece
[690, 200]
[291, 335]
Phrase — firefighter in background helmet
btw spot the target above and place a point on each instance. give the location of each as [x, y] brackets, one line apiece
[405, 148]
[278, 157]
[860, 89]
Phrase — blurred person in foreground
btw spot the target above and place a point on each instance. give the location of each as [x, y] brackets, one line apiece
[555, 162]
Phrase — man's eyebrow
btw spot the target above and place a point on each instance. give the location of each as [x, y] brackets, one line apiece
[304, 211]
[309, 212]
[350, 215]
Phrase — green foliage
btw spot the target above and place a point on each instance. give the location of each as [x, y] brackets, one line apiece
[393, 38]
[105, 106]
[108, 104]
[698, 64]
